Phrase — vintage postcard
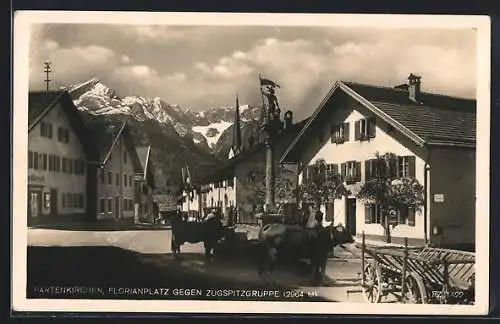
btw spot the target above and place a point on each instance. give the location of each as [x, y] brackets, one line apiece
[251, 163]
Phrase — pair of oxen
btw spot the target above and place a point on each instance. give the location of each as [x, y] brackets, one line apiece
[276, 242]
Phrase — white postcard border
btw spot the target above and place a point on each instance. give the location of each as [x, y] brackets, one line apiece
[22, 22]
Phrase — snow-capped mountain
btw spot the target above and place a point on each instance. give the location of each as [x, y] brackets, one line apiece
[203, 128]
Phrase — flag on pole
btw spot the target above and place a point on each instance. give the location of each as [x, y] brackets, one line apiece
[267, 82]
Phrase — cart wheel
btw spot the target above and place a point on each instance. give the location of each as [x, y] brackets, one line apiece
[371, 283]
[415, 292]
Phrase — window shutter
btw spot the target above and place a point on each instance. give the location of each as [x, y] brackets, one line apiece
[368, 215]
[357, 135]
[394, 167]
[357, 166]
[346, 131]
[371, 127]
[343, 169]
[368, 173]
[411, 166]
[335, 169]
[411, 216]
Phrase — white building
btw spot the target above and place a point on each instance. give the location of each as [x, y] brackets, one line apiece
[60, 159]
[432, 135]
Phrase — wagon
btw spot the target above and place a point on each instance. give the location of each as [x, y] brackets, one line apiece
[419, 275]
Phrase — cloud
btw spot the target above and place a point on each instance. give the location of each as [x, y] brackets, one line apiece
[147, 63]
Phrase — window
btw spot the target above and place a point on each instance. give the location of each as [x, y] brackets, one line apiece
[64, 165]
[351, 171]
[406, 166]
[124, 157]
[370, 169]
[35, 160]
[102, 205]
[340, 133]
[46, 129]
[44, 163]
[125, 180]
[110, 178]
[230, 183]
[373, 214]
[70, 166]
[30, 160]
[130, 180]
[331, 170]
[110, 205]
[364, 129]
[102, 176]
[406, 217]
[58, 164]
[63, 134]
[63, 200]
[51, 162]
[117, 179]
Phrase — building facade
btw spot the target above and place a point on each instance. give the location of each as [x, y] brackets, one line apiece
[60, 159]
[115, 183]
[240, 181]
[426, 132]
[145, 185]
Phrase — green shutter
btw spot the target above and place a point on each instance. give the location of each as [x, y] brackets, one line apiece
[357, 169]
[371, 127]
[357, 135]
[368, 216]
[346, 131]
[411, 166]
[368, 173]
[335, 168]
[343, 169]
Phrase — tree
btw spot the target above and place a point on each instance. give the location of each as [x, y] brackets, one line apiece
[319, 186]
[284, 185]
[391, 193]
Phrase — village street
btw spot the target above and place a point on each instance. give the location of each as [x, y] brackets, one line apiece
[123, 259]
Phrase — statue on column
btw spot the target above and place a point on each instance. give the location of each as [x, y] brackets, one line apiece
[272, 100]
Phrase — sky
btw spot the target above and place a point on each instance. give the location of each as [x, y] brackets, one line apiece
[198, 67]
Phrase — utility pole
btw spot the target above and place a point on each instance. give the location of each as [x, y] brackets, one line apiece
[47, 69]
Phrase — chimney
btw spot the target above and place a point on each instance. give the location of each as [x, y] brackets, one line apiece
[414, 87]
[288, 119]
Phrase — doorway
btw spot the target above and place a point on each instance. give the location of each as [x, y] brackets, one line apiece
[351, 215]
[34, 205]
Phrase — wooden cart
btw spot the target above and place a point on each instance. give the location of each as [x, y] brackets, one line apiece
[422, 275]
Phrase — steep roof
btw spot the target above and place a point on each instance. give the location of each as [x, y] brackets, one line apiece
[40, 103]
[143, 154]
[434, 120]
[105, 135]
[438, 118]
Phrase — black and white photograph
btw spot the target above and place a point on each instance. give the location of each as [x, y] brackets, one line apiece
[251, 163]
